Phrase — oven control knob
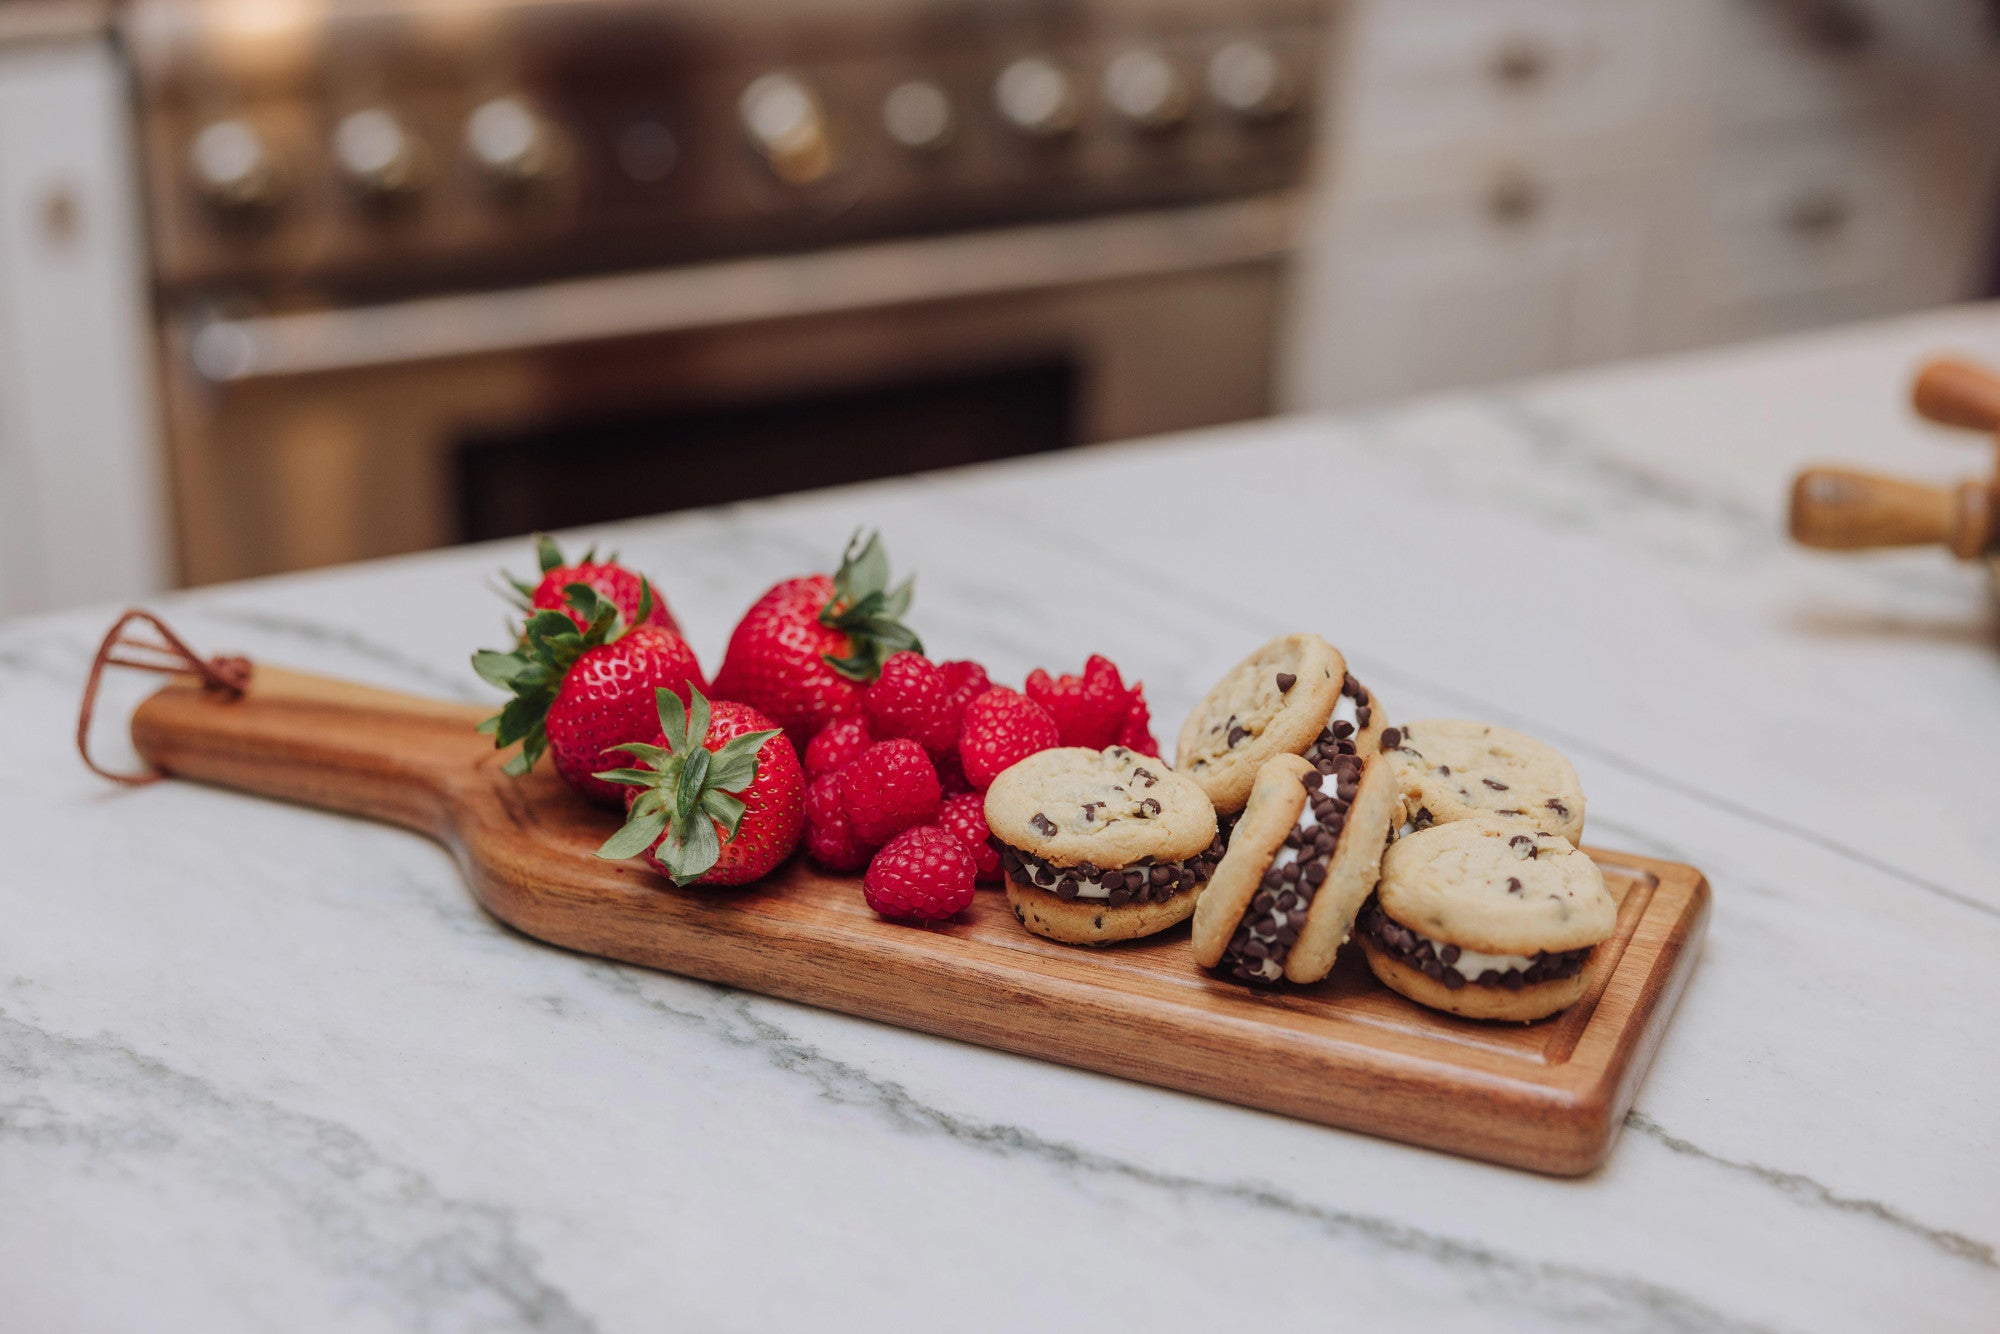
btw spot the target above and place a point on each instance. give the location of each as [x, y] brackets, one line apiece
[1037, 97]
[233, 169]
[510, 143]
[1146, 89]
[381, 160]
[918, 115]
[785, 123]
[1250, 80]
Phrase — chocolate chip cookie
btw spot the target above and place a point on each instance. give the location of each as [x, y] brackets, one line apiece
[1101, 846]
[1449, 769]
[1283, 699]
[1301, 862]
[1488, 918]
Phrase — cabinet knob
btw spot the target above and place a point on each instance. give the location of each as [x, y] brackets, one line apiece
[381, 160]
[785, 123]
[1146, 89]
[918, 115]
[233, 169]
[1515, 198]
[1038, 97]
[1521, 63]
[1817, 215]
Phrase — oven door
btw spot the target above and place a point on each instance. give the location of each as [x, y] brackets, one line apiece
[321, 436]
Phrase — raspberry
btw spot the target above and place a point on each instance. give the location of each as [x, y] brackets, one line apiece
[830, 839]
[1002, 728]
[1136, 732]
[965, 816]
[951, 773]
[964, 681]
[1088, 709]
[925, 873]
[838, 742]
[888, 788]
[909, 700]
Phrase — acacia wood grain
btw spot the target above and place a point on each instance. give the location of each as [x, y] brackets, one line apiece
[1346, 1052]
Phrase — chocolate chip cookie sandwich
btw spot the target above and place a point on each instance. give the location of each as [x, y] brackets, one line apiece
[1448, 769]
[1101, 845]
[1292, 696]
[1487, 917]
[1301, 862]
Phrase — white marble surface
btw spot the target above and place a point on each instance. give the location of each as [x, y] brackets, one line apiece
[262, 1068]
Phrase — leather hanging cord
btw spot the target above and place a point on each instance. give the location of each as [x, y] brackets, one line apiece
[172, 657]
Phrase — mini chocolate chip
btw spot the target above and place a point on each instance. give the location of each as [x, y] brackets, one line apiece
[1088, 870]
[1310, 781]
[1044, 824]
[1066, 887]
[1236, 735]
[1147, 774]
[1513, 885]
[1452, 978]
[1363, 715]
[1286, 681]
[1265, 900]
[1149, 806]
[1495, 784]
[1445, 769]
[1315, 874]
[1098, 921]
[1449, 954]
[1391, 738]
[1163, 875]
[1342, 730]
[1090, 809]
[1112, 880]
[1558, 808]
[1120, 897]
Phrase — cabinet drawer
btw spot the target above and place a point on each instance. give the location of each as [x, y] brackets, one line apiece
[1811, 60]
[1422, 75]
[1815, 214]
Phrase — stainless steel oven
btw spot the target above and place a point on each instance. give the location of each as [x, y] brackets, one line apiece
[432, 273]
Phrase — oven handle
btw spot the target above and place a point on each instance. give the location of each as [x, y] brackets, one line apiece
[739, 292]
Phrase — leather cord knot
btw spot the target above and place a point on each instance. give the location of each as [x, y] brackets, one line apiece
[170, 656]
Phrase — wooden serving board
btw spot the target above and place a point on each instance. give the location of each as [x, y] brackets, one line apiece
[1347, 1052]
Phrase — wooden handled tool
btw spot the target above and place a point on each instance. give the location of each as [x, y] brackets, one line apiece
[1840, 509]
[1346, 1052]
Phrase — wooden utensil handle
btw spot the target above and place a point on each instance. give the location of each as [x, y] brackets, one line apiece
[321, 742]
[1958, 393]
[1843, 510]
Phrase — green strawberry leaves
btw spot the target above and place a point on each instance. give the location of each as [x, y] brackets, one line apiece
[686, 790]
[867, 610]
[534, 672]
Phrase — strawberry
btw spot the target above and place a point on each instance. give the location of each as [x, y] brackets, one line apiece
[888, 788]
[924, 874]
[577, 693]
[830, 839]
[805, 650]
[620, 586]
[965, 816]
[1002, 727]
[722, 802]
[909, 699]
[837, 743]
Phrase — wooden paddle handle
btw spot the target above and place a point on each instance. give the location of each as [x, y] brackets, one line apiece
[1958, 393]
[320, 742]
[1843, 510]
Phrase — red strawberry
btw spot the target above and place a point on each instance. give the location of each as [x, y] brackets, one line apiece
[965, 816]
[1136, 732]
[804, 651]
[964, 681]
[837, 743]
[730, 820]
[580, 694]
[925, 874]
[1002, 728]
[622, 587]
[909, 700]
[830, 839]
[888, 788]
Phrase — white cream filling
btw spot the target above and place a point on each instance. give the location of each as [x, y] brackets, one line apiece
[1471, 963]
[1345, 710]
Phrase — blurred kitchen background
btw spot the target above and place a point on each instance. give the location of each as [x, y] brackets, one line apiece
[292, 282]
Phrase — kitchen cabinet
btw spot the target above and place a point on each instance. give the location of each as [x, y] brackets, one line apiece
[1699, 172]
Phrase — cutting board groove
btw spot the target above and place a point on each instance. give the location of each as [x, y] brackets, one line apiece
[1346, 1052]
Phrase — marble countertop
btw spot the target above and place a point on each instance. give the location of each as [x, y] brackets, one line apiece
[263, 1068]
